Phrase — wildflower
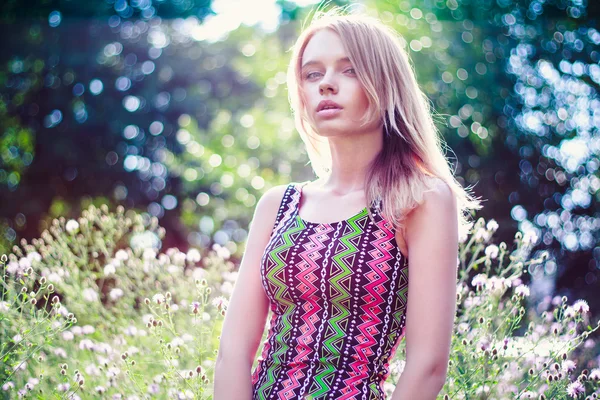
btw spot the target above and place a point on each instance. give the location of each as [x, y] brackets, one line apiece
[492, 225]
[491, 251]
[3, 306]
[60, 352]
[530, 237]
[86, 344]
[569, 312]
[68, 335]
[220, 302]
[568, 366]
[122, 255]
[149, 254]
[34, 256]
[479, 281]
[72, 226]
[193, 255]
[595, 374]
[153, 388]
[92, 370]
[63, 387]
[179, 258]
[115, 293]
[13, 268]
[195, 307]
[482, 235]
[581, 307]
[498, 284]
[88, 329]
[7, 386]
[158, 298]
[100, 389]
[522, 290]
[575, 389]
[90, 295]
[109, 269]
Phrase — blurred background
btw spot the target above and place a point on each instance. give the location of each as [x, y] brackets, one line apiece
[178, 109]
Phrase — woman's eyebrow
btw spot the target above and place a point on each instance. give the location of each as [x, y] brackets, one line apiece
[343, 59]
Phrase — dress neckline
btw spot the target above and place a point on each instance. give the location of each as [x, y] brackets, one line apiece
[298, 187]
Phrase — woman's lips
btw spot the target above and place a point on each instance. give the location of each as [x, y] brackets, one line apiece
[329, 112]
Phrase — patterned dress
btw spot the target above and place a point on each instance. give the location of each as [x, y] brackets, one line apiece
[338, 294]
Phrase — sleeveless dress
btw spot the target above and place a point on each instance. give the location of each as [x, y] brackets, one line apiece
[338, 295]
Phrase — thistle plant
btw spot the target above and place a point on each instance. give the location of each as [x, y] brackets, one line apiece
[94, 309]
[502, 349]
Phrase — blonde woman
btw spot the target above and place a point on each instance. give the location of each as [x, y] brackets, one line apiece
[346, 282]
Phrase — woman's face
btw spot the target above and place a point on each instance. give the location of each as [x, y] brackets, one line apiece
[327, 74]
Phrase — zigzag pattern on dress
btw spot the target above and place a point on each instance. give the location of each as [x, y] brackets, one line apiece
[338, 295]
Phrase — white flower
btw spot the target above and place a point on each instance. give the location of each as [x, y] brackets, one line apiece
[149, 254]
[479, 280]
[34, 256]
[220, 302]
[530, 237]
[88, 329]
[68, 335]
[4, 306]
[63, 387]
[498, 284]
[109, 269]
[13, 267]
[595, 374]
[482, 234]
[86, 344]
[115, 293]
[491, 251]
[24, 263]
[568, 366]
[193, 255]
[60, 352]
[492, 225]
[581, 306]
[463, 327]
[7, 386]
[92, 370]
[90, 295]
[569, 312]
[179, 258]
[222, 251]
[522, 290]
[54, 277]
[72, 226]
[158, 298]
[122, 255]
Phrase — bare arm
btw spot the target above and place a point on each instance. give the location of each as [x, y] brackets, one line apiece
[248, 307]
[432, 239]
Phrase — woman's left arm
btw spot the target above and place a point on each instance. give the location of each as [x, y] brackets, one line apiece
[432, 240]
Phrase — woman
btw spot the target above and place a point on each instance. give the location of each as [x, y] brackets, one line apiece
[337, 280]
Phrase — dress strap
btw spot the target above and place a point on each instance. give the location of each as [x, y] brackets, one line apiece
[287, 208]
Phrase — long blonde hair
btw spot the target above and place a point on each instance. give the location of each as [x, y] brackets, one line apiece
[412, 155]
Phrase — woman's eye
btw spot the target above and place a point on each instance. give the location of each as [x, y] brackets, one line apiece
[310, 74]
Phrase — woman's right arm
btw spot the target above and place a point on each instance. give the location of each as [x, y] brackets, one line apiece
[248, 308]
